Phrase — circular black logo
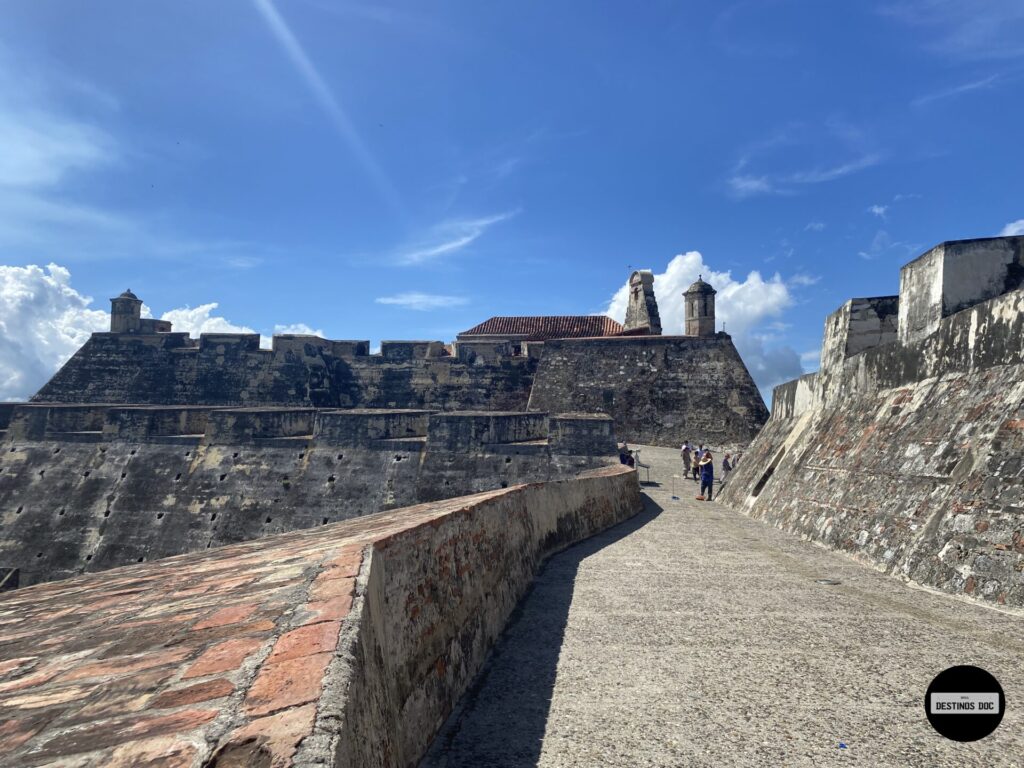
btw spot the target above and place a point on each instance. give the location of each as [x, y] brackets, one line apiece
[964, 703]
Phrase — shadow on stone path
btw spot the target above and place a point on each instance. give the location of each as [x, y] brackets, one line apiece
[508, 705]
[692, 635]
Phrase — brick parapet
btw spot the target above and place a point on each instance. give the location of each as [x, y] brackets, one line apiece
[285, 651]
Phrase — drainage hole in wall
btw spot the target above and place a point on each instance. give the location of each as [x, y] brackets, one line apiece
[61, 511]
[132, 451]
[340, 455]
[103, 450]
[177, 476]
[268, 519]
[56, 450]
[276, 501]
[88, 558]
[140, 560]
[42, 472]
[40, 554]
[286, 485]
[86, 473]
[19, 510]
[302, 455]
[159, 515]
[213, 517]
[124, 475]
[234, 455]
[508, 459]
[106, 513]
[187, 454]
[398, 458]
[504, 485]
[222, 477]
[324, 521]
[330, 479]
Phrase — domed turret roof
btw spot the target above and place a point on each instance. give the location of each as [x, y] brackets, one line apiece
[700, 286]
[128, 295]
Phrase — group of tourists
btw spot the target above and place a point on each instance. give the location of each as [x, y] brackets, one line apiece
[699, 463]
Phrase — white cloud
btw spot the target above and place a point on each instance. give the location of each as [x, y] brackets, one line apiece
[1013, 228]
[299, 329]
[748, 186]
[451, 236]
[878, 210]
[815, 226]
[811, 359]
[803, 280]
[43, 321]
[747, 308]
[422, 301]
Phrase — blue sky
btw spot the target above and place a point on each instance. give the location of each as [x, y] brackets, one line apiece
[406, 170]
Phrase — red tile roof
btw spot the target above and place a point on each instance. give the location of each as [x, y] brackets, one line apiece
[542, 328]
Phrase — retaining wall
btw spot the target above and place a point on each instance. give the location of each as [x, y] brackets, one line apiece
[346, 646]
[86, 488]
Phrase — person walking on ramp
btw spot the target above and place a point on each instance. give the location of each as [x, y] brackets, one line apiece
[684, 452]
[707, 475]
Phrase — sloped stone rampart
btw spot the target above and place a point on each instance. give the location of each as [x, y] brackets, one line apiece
[907, 456]
[347, 645]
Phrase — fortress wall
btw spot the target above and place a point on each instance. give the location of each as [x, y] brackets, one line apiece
[147, 486]
[660, 390]
[345, 645]
[907, 456]
[231, 370]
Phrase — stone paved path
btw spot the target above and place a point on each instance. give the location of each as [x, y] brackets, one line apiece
[694, 636]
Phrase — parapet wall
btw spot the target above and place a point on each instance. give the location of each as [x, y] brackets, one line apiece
[344, 646]
[660, 390]
[909, 456]
[90, 487]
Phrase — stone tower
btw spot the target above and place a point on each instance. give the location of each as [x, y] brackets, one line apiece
[700, 309]
[642, 311]
[125, 313]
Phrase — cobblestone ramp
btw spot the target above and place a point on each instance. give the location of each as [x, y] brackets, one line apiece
[695, 636]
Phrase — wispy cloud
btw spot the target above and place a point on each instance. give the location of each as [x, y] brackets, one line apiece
[878, 210]
[975, 85]
[882, 243]
[1013, 228]
[831, 173]
[815, 226]
[984, 29]
[449, 237]
[804, 280]
[328, 102]
[422, 302]
[837, 138]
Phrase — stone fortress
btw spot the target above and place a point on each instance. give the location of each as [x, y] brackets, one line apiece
[263, 616]
[149, 443]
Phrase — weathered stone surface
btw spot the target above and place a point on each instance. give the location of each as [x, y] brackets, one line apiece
[910, 455]
[659, 390]
[215, 656]
[86, 487]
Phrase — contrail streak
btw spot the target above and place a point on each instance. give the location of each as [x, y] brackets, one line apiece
[322, 93]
